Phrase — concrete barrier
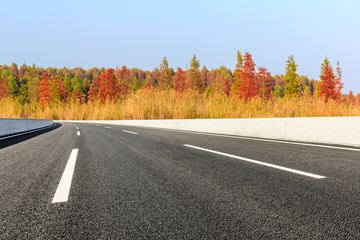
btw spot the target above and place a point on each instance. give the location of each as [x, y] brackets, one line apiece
[15, 125]
[328, 130]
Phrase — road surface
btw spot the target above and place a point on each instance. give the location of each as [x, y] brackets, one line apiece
[88, 181]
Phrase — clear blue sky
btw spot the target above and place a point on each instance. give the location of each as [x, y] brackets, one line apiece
[140, 33]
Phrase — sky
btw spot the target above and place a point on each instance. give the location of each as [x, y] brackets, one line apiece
[140, 33]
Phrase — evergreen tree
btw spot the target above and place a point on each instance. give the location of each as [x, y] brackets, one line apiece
[34, 91]
[203, 74]
[237, 76]
[23, 91]
[278, 91]
[78, 95]
[135, 86]
[194, 76]
[292, 87]
[165, 75]
[68, 87]
[4, 83]
[325, 63]
[13, 87]
[307, 92]
[56, 89]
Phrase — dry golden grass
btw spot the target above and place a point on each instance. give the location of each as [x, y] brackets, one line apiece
[157, 104]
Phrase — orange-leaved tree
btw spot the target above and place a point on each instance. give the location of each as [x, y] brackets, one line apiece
[350, 98]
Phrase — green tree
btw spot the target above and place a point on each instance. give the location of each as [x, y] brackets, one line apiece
[203, 74]
[4, 83]
[68, 88]
[278, 91]
[325, 63]
[23, 91]
[292, 87]
[165, 80]
[56, 89]
[86, 84]
[237, 76]
[77, 81]
[307, 92]
[13, 87]
[34, 91]
[78, 95]
[135, 86]
[194, 76]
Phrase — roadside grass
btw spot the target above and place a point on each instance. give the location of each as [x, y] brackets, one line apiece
[168, 104]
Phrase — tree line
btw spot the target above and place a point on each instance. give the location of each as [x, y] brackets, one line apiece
[46, 86]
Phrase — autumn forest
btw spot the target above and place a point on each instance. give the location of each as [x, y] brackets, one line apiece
[167, 93]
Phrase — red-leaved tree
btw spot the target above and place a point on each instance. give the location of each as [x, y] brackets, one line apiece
[330, 86]
[124, 74]
[94, 89]
[265, 82]
[338, 84]
[108, 88]
[122, 89]
[3, 88]
[180, 80]
[248, 88]
[44, 89]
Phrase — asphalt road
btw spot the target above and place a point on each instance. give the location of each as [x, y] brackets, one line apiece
[145, 183]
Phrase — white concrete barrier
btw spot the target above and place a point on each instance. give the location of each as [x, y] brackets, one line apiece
[16, 125]
[328, 130]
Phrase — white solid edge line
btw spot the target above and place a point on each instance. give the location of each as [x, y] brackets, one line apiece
[258, 162]
[63, 189]
[129, 132]
[35, 130]
[78, 133]
[264, 140]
